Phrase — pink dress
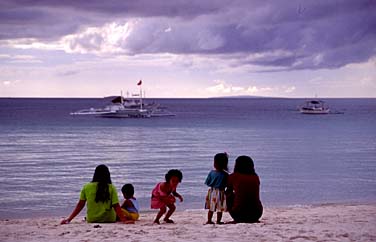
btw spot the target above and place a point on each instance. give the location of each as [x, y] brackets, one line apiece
[157, 195]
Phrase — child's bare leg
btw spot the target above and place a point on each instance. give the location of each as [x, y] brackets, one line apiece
[210, 216]
[169, 213]
[162, 211]
[219, 217]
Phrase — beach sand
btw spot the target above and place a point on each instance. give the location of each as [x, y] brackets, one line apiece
[332, 222]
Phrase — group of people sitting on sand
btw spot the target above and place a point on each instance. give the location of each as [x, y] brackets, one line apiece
[238, 193]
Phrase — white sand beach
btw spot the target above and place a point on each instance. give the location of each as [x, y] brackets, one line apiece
[333, 222]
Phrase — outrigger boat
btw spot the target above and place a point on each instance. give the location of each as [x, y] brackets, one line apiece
[121, 107]
[126, 108]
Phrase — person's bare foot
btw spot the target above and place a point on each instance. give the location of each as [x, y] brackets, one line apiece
[156, 222]
[169, 221]
[209, 222]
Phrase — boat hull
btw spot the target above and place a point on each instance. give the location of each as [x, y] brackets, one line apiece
[130, 113]
[307, 111]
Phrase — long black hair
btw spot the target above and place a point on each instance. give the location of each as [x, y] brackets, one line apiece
[244, 165]
[103, 177]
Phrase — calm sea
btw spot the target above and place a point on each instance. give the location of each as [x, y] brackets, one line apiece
[46, 155]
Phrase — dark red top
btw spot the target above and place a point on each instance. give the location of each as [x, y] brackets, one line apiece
[246, 190]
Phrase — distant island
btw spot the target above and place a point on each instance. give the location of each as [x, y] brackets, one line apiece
[244, 96]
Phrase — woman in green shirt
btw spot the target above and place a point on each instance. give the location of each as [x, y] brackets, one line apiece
[101, 197]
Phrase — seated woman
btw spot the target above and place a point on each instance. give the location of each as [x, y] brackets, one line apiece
[243, 192]
[101, 197]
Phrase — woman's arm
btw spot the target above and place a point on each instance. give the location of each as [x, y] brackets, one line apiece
[124, 204]
[120, 214]
[80, 205]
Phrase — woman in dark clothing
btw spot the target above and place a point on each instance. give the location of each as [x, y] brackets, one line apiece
[243, 192]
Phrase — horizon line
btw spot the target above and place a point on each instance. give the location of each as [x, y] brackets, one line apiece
[215, 97]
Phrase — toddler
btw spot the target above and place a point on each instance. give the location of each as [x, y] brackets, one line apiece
[216, 181]
[130, 205]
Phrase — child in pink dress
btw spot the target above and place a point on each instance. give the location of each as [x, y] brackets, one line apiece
[163, 195]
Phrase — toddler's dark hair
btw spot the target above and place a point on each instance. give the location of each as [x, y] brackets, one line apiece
[128, 190]
[221, 161]
[172, 173]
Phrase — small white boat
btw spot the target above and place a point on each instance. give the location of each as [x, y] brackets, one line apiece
[314, 107]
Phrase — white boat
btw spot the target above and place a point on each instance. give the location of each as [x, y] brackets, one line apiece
[314, 107]
[126, 108]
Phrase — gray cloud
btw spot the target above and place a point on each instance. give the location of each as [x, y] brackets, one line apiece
[301, 34]
[55, 18]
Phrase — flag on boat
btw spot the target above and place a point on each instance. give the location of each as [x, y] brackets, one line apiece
[139, 83]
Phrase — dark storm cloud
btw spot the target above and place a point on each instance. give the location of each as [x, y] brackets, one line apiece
[289, 34]
[54, 18]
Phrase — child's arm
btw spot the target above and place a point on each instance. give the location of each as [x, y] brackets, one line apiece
[177, 195]
[80, 205]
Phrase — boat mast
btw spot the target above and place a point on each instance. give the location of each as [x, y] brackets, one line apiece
[139, 84]
[140, 96]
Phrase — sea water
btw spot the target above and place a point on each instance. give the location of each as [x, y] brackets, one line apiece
[46, 155]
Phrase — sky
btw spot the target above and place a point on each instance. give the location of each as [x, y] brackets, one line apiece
[188, 49]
